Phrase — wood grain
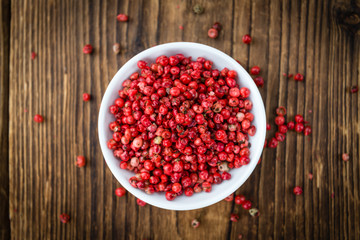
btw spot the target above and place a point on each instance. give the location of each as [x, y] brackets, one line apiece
[4, 119]
[308, 36]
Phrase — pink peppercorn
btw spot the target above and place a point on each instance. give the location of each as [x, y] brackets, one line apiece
[297, 190]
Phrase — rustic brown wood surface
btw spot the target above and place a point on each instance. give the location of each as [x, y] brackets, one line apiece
[320, 39]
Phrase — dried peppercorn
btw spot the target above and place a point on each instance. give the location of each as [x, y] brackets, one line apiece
[198, 9]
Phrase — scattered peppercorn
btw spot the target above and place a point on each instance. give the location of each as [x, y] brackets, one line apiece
[86, 97]
[217, 26]
[122, 17]
[297, 190]
[88, 49]
[80, 161]
[246, 205]
[234, 217]
[140, 202]
[64, 218]
[195, 223]
[198, 9]
[120, 191]
[213, 33]
[299, 77]
[246, 39]
[255, 70]
[345, 157]
[229, 198]
[354, 89]
[259, 81]
[116, 48]
[33, 55]
[254, 212]
[38, 118]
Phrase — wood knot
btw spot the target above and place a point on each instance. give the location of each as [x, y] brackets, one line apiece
[348, 17]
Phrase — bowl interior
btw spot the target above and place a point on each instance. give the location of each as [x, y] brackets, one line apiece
[220, 61]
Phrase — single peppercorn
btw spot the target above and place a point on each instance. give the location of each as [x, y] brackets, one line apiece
[38, 118]
[140, 202]
[122, 17]
[195, 223]
[254, 212]
[198, 9]
[354, 89]
[116, 48]
[239, 199]
[217, 26]
[64, 218]
[246, 39]
[120, 191]
[299, 77]
[86, 97]
[234, 217]
[345, 157]
[33, 55]
[246, 205]
[88, 49]
[281, 111]
[80, 161]
[229, 198]
[297, 190]
[307, 130]
[299, 127]
[213, 33]
[255, 70]
[259, 81]
[291, 125]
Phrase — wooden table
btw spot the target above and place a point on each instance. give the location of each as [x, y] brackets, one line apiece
[40, 181]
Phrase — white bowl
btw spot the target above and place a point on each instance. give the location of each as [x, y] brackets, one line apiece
[238, 176]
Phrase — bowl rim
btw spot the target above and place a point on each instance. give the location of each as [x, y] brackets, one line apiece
[261, 129]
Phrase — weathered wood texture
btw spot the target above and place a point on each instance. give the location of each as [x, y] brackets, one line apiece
[4, 119]
[310, 37]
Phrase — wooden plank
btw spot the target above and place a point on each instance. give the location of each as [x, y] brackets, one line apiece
[288, 36]
[4, 119]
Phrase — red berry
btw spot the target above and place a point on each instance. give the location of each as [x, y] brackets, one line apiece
[64, 218]
[255, 70]
[298, 77]
[86, 97]
[281, 111]
[120, 191]
[259, 81]
[273, 143]
[299, 118]
[307, 130]
[268, 127]
[345, 157]
[176, 187]
[33, 55]
[291, 125]
[38, 118]
[246, 39]
[279, 120]
[279, 136]
[240, 199]
[140, 202]
[195, 223]
[299, 127]
[234, 217]
[246, 205]
[297, 190]
[122, 17]
[171, 195]
[217, 26]
[87, 49]
[229, 198]
[80, 161]
[354, 89]
[213, 33]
